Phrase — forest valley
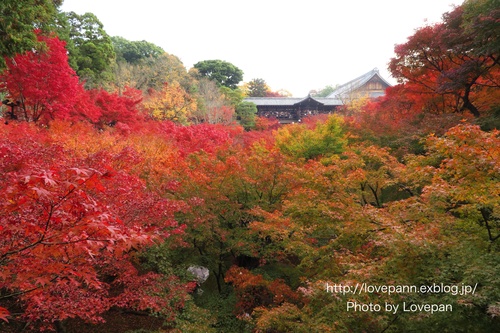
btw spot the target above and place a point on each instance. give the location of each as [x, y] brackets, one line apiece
[119, 183]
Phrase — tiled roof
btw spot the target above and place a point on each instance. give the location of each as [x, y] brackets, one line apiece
[273, 100]
[333, 99]
[355, 84]
[291, 100]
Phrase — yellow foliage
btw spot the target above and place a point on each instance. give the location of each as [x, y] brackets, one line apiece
[357, 105]
[171, 103]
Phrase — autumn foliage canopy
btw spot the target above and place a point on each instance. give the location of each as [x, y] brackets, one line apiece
[109, 198]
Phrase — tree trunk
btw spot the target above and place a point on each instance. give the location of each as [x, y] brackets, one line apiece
[468, 104]
[60, 327]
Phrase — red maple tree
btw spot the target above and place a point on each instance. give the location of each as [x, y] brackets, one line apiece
[446, 62]
[45, 86]
[70, 229]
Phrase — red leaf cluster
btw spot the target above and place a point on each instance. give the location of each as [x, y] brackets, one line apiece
[46, 88]
[68, 226]
[253, 290]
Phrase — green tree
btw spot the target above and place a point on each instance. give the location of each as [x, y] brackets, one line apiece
[245, 114]
[257, 88]
[90, 49]
[481, 19]
[232, 96]
[325, 91]
[134, 51]
[17, 22]
[323, 141]
[222, 72]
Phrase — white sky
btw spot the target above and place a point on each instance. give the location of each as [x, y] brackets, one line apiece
[295, 45]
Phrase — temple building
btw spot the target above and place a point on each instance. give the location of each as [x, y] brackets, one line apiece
[292, 109]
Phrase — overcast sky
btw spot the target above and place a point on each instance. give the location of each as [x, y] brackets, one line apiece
[295, 45]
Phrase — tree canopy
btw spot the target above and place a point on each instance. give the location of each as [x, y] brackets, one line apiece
[143, 204]
[134, 51]
[91, 52]
[325, 91]
[18, 21]
[222, 72]
[246, 113]
[448, 61]
[44, 85]
[257, 88]
[151, 72]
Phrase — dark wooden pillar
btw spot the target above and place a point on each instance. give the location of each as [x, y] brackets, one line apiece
[10, 115]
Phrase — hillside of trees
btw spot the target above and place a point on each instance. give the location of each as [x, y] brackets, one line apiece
[139, 196]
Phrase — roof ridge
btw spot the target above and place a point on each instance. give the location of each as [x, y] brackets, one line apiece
[355, 83]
